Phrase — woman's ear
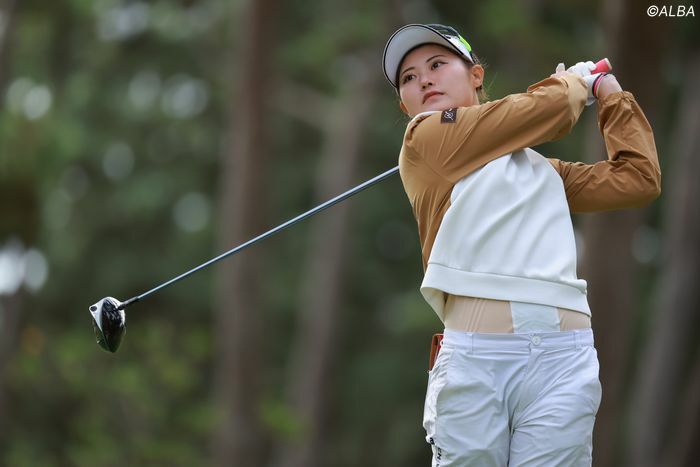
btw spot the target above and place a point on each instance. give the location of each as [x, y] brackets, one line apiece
[477, 75]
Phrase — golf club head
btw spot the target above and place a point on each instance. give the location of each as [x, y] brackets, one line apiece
[108, 322]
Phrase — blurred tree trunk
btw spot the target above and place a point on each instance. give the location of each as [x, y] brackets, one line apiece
[662, 425]
[684, 451]
[320, 304]
[10, 314]
[609, 267]
[10, 306]
[239, 440]
[7, 17]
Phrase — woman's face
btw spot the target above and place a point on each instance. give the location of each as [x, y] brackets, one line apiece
[433, 78]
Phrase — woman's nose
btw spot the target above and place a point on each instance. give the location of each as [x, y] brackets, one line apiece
[425, 82]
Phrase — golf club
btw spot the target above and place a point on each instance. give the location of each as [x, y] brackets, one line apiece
[108, 317]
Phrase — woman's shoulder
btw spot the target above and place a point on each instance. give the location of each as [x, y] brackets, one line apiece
[435, 126]
[414, 122]
[438, 117]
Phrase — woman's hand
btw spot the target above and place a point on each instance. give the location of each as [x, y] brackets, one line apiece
[608, 85]
[583, 70]
[560, 71]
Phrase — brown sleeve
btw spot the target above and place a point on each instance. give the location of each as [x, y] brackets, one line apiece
[631, 177]
[453, 149]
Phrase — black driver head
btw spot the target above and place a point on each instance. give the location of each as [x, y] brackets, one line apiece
[109, 323]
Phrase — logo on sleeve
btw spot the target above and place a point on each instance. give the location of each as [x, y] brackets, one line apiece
[449, 116]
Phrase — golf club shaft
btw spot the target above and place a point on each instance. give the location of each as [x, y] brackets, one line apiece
[601, 66]
[279, 228]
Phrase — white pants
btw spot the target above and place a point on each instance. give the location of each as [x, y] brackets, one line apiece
[513, 399]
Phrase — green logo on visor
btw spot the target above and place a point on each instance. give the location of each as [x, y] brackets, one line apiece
[466, 44]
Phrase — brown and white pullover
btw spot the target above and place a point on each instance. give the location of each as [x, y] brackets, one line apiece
[494, 215]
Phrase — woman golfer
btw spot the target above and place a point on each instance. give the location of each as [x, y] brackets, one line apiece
[516, 381]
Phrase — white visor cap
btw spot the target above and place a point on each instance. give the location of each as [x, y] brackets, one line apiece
[411, 36]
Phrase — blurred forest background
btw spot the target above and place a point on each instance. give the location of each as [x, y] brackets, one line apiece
[140, 138]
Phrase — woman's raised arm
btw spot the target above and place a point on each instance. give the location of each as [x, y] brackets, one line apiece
[631, 177]
[455, 147]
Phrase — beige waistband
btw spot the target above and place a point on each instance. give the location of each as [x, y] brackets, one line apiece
[473, 314]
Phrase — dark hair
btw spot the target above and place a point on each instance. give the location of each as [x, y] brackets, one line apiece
[480, 91]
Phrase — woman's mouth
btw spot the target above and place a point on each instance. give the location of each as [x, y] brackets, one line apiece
[431, 94]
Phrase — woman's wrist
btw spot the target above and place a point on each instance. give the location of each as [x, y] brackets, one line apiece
[608, 85]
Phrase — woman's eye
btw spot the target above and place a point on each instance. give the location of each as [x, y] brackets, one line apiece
[437, 64]
[407, 78]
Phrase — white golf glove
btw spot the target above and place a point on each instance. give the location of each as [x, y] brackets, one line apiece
[583, 69]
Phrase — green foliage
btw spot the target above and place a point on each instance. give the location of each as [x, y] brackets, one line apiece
[96, 179]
